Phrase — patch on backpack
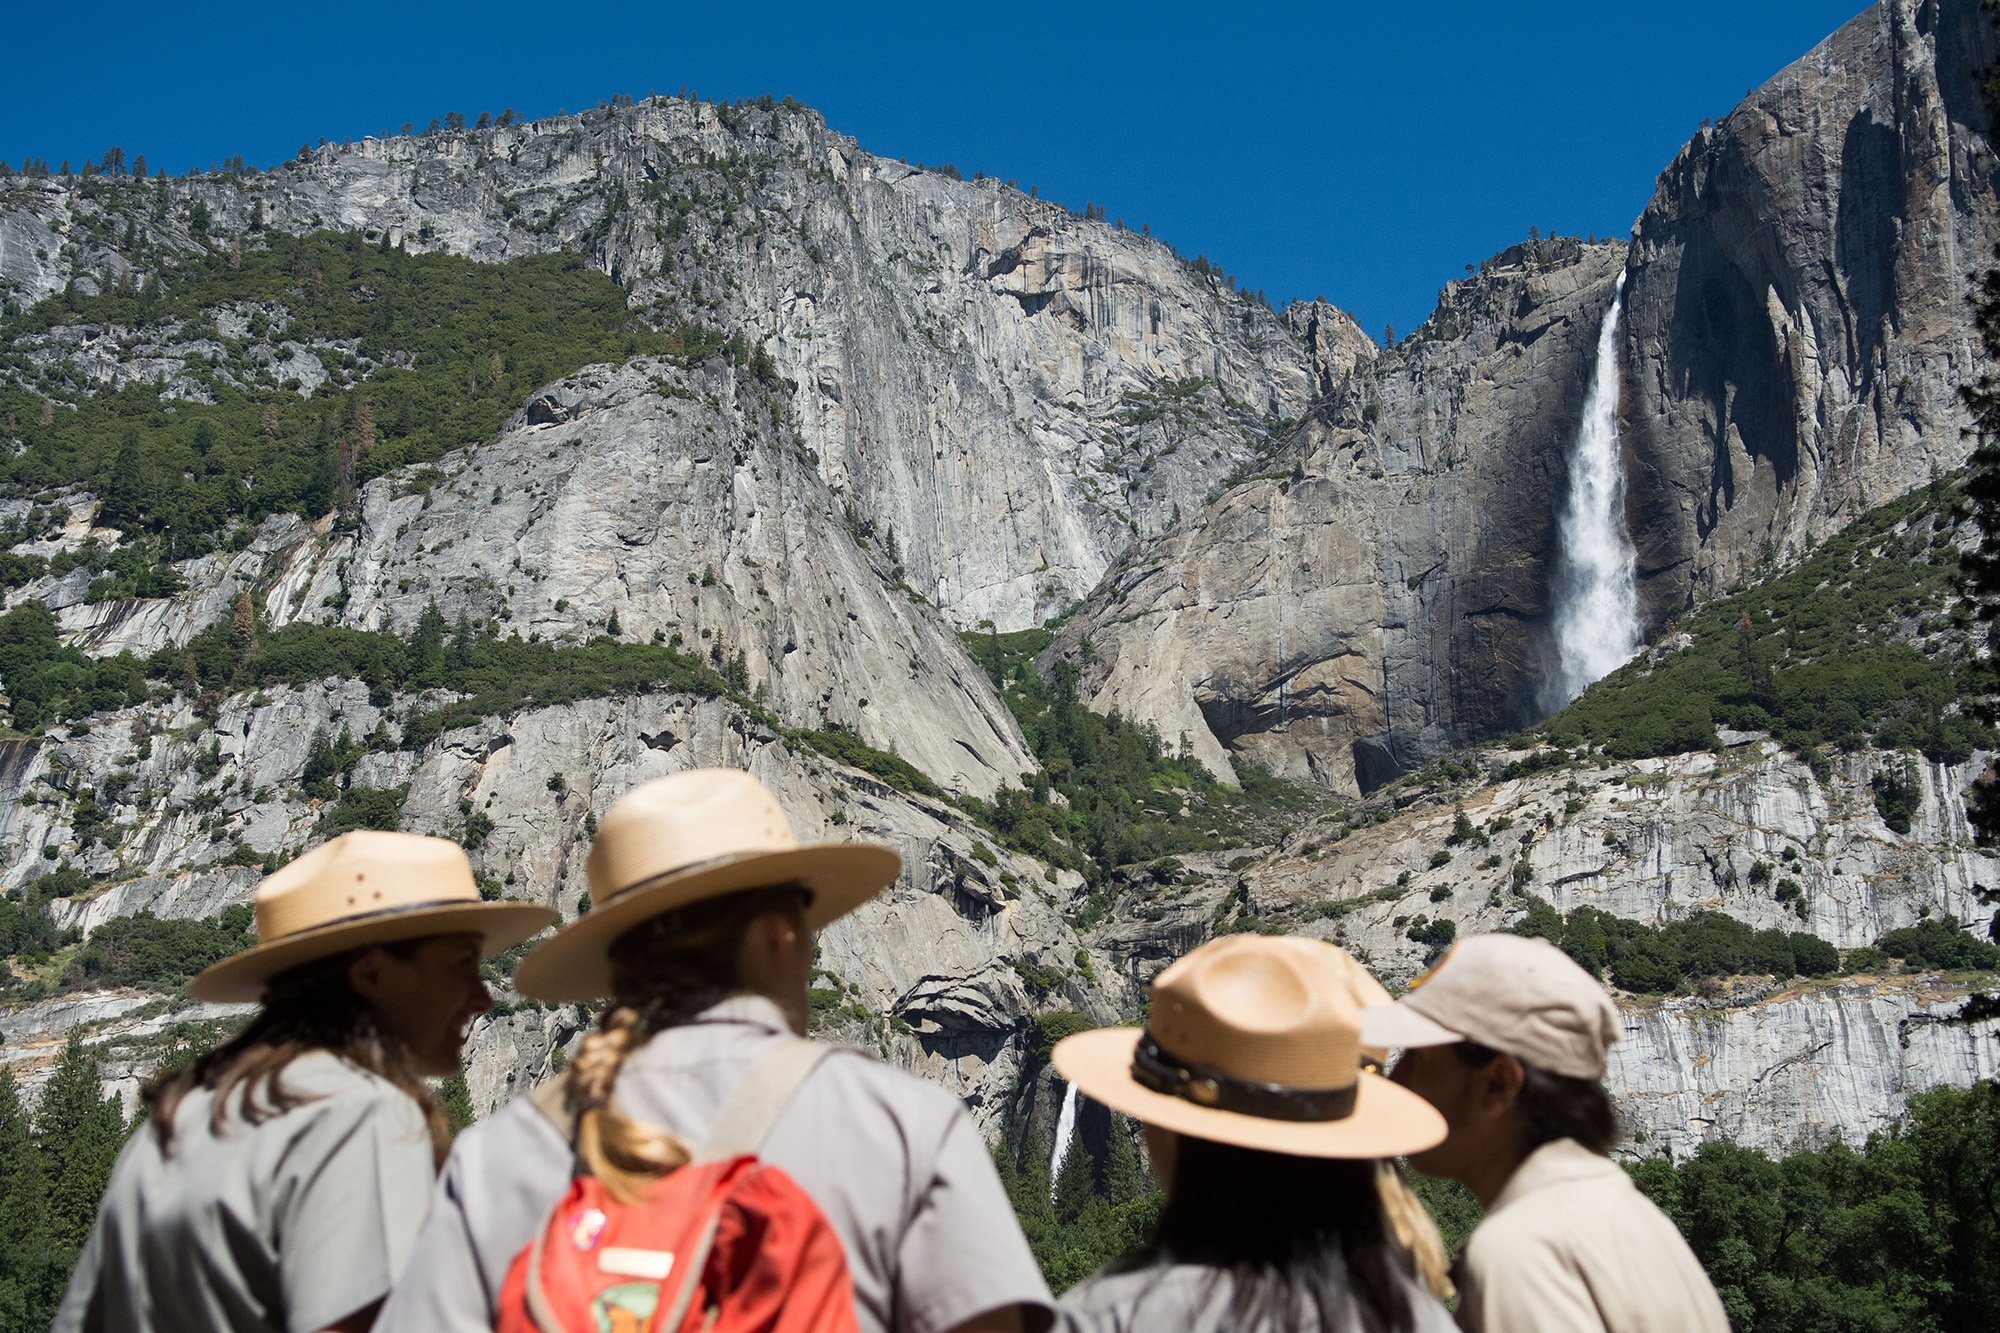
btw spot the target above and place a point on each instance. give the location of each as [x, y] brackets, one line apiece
[625, 1308]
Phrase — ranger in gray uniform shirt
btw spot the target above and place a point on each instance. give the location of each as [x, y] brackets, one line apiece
[894, 1162]
[279, 1185]
[701, 936]
[289, 1226]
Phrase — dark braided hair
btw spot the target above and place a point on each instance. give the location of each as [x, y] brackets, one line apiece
[664, 971]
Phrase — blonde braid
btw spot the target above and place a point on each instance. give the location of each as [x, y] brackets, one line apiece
[627, 1155]
[1413, 1229]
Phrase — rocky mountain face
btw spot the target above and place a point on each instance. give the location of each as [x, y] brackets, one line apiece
[979, 369]
[1292, 548]
[1776, 1064]
[1382, 594]
[1795, 329]
[1797, 321]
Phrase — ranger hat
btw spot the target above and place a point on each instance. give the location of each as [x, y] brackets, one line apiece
[364, 887]
[1254, 1041]
[684, 839]
[1515, 994]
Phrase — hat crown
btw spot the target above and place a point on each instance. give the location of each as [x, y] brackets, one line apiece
[361, 874]
[1261, 1009]
[1522, 996]
[675, 823]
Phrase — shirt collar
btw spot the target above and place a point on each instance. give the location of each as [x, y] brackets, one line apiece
[1558, 1162]
[755, 1010]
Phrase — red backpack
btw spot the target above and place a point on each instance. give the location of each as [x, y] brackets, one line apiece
[725, 1244]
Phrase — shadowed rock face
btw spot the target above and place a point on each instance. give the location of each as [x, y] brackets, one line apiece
[1797, 327]
[1795, 333]
[1384, 596]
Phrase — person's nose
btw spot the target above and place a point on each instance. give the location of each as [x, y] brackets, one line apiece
[482, 998]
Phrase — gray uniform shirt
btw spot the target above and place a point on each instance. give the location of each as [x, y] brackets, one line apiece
[1192, 1298]
[894, 1162]
[290, 1225]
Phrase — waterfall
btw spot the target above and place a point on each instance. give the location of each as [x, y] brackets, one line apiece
[1065, 1131]
[1597, 604]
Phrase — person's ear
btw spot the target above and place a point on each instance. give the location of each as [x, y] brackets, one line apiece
[364, 974]
[1498, 1084]
[781, 931]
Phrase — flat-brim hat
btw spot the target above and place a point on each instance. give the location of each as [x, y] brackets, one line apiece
[685, 839]
[364, 887]
[1253, 1041]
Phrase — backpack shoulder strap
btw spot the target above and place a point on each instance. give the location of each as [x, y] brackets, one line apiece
[746, 1118]
[548, 1097]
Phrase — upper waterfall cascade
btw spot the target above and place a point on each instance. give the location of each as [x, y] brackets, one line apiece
[1597, 603]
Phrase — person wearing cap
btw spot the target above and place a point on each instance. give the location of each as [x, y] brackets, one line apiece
[279, 1183]
[701, 939]
[1268, 1136]
[1506, 1036]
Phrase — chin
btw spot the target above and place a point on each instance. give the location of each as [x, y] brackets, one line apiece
[436, 1064]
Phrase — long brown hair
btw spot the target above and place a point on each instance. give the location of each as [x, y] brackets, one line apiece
[664, 971]
[1296, 1235]
[310, 1008]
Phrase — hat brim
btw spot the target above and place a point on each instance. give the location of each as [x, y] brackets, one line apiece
[575, 965]
[240, 979]
[1387, 1120]
[1398, 1025]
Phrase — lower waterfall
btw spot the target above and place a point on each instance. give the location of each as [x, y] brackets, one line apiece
[1065, 1131]
[1597, 604]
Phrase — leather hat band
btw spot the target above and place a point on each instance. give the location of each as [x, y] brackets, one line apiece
[1163, 1073]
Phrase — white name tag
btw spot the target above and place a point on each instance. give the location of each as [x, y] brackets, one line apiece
[654, 1264]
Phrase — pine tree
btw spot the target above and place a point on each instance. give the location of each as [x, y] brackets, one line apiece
[270, 418]
[1125, 1181]
[612, 627]
[1074, 1187]
[48, 413]
[126, 492]
[78, 1132]
[463, 640]
[31, 1269]
[427, 649]
[455, 1100]
[316, 778]
[236, 253]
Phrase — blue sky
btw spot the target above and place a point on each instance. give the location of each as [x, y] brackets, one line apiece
[1363, 153]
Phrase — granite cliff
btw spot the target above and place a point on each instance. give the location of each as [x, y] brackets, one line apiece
[957, 404]
[1795, 332]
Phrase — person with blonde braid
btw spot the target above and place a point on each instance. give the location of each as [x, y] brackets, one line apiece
[279, 1183]
[701, 937]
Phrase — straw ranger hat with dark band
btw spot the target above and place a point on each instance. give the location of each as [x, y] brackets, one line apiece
[1254, 1041]
[364, 888]
[685, 839]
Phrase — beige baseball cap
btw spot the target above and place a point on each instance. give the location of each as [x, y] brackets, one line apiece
[1516, 994]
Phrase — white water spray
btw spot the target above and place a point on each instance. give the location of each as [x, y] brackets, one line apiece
[1597, 607]
[1065, 1131]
